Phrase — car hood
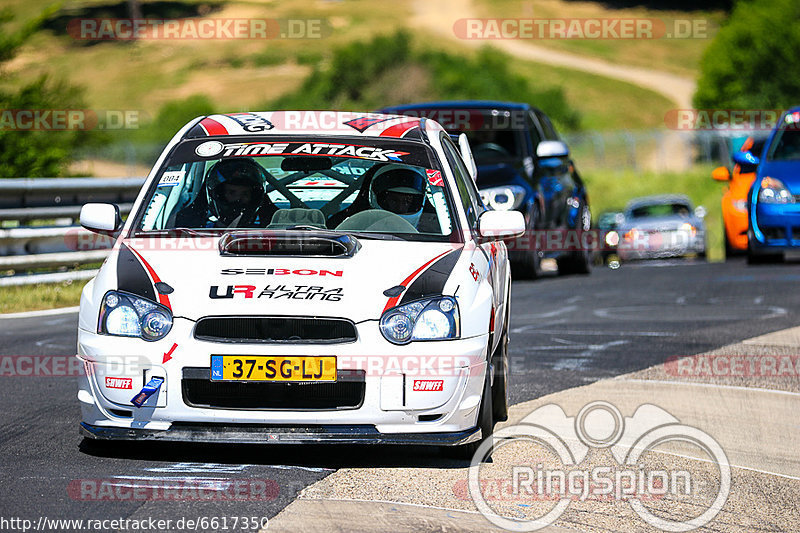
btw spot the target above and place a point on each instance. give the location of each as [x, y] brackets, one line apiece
[786, 171]
[204, 282]
[495, 174]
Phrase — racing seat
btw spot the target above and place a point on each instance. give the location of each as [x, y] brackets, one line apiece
[297, 216]
[377, 220]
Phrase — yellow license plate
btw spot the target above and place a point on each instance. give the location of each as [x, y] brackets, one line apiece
[269, 368]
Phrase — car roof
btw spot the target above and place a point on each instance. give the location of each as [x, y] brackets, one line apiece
[459, 104]
[658, 199]
[327, 123]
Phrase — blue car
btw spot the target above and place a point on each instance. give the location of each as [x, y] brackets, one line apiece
[774, 199]
[523, 165]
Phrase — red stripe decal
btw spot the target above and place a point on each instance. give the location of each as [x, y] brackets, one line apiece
[213, 127]
[406, 282]
[163, 299]
[398, 130]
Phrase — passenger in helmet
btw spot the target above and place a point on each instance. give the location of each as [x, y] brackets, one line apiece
[235, 197]
[400, 190]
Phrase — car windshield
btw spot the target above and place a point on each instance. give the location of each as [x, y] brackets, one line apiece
[370, 187]
[786, 145]
[660, 210]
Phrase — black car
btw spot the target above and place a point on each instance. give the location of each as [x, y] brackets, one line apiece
[523, 164]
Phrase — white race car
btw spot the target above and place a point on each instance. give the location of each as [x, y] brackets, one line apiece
[295, 277]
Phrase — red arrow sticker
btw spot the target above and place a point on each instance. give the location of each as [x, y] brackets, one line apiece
[168, 355]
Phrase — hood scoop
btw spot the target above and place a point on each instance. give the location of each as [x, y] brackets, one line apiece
[288, 244]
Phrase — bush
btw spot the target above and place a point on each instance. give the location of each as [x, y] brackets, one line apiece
[37, 153]
[750, 63]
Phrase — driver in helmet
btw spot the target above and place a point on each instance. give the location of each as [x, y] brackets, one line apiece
[400, 190]
[235, 192]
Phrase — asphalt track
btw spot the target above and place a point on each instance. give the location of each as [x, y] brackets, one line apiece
[566, 332]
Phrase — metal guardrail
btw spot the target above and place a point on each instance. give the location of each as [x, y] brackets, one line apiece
[52, 247]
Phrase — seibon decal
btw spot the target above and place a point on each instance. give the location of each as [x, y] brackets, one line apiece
[280, 272]
[428, 385]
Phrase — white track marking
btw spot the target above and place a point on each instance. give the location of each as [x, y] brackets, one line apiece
[44, 312]
[713, 385]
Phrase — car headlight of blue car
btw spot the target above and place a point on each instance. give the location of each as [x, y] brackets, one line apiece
[773, 191]
[126, 315]
[423, 320]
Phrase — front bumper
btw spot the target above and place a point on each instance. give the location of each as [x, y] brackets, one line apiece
[776, 227]
[247, 434]
[661, 245]
[392, 411]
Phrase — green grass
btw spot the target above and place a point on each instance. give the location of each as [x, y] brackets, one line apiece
[44, 296]
[611, 190]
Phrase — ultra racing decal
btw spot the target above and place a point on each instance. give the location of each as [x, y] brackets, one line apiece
[356, 151]
[362, 123]
[427, 280]
[136, 276]
[252, 123]
[277, 292]
[280, 272]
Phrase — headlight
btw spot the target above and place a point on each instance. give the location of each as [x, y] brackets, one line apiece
[503, 198]
[612, 238]
[126, 315]
[423, 320]
[773, 191]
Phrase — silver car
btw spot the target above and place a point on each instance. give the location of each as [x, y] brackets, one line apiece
[662, 226]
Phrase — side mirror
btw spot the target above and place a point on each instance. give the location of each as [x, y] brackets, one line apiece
[501, 224]
[552, 149]
[721, 174]
[466, 155]
[700, 211]
[746, 160]
[101, 218]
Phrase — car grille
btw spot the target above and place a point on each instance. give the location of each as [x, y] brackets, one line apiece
[275, 330]
[347, 392]
[772, 234]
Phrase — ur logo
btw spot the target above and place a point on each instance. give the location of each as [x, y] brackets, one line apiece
[629, 445]
[230, 290]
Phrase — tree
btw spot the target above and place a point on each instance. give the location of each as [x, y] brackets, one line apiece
[750, 63]
[42, 152]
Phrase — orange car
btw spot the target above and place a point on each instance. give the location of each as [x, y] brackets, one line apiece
[734, 200]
